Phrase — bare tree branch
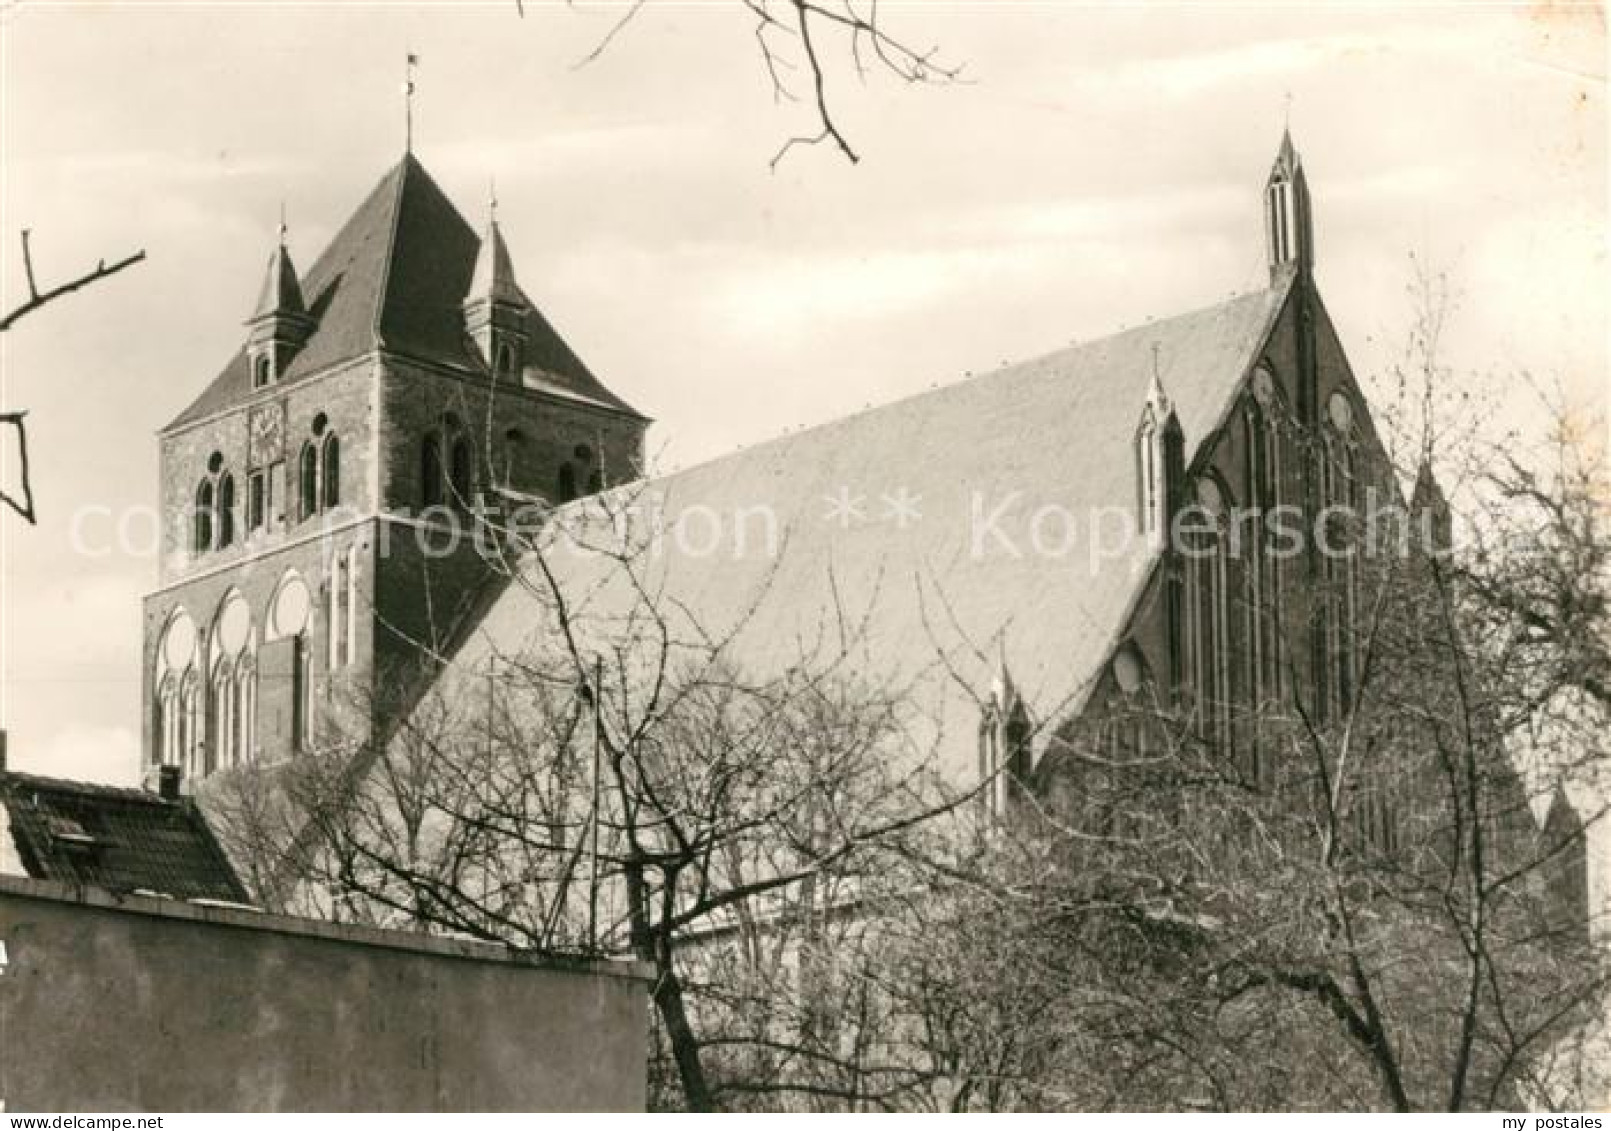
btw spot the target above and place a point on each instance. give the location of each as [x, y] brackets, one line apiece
[36, 299]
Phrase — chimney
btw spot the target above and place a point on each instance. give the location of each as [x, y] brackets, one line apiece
[168, 783]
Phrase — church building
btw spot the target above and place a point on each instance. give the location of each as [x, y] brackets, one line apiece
[1006, 546]
[311, 489]
[1011, 534]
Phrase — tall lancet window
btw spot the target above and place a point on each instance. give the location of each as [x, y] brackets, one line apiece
[1340, 554]
[1155, 434]
[1148, 477]
[193, 741]
[1004, 735]
[221, 711]
[202, 520]
[331, 461]
[1262, 414]
[1282, 220]
[308, 481]
[1207, 614]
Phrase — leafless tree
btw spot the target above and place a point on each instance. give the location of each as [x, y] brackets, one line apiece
[23, 502]
[628, 780]
[1344, 895]
[797, 41]
[1339, 896]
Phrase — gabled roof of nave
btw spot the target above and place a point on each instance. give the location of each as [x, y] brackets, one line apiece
[395, 277]
[1058, 430]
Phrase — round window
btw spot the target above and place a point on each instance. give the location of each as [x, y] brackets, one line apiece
[1263, 385]
[179, 645]
[1127, 669]
[1341, 411]
[234, 625]
[291, 606]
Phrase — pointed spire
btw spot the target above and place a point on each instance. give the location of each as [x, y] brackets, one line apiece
[1157, 397]
[1003, 692]
[1288, 223]
[494, 277]
[1287, 160]
[281, 293]
[410, 61]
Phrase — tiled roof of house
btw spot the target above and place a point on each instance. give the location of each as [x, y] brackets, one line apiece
[930, 594]
[119, 840]
[395, 277]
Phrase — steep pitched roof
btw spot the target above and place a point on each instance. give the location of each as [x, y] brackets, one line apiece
[120, 840]
[281, 293]
[395, 278]
[935, 592]
[494, 277]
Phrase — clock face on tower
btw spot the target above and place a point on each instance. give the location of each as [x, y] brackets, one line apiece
[267, 435]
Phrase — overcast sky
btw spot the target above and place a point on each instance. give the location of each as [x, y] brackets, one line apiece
[1101, 167]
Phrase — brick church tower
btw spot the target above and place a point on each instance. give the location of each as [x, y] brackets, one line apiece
[311, 491]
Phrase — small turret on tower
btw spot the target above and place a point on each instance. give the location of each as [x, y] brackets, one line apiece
[280, 323]
[1004, 730]
[495, 310]
[1288, 222]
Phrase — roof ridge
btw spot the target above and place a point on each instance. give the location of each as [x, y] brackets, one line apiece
[71, 785]
[988, 374]
[401, 171]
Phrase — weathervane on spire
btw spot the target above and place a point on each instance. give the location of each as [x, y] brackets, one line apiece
[492, 199]
[283, 228]
[408, 102]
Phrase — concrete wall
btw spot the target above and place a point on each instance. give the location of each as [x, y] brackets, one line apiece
[146, 1004]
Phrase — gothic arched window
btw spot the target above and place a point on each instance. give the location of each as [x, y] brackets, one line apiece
[1264, 416]
[245, 709]
[262, 371]
[308, 481]
[191, 738]
[431, 471]
[202, 536]
[226, 510]
[514, 448]
[220, 704]
[1148, 504]
[459, 472]
[332, 472]
[566, 489]
[1340, 553]
[1207, 613]
[164, 720]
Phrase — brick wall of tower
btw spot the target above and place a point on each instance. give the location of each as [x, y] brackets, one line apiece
[410, 593]
[340, 691]
[257, 561]
[345, 396]
[415, 400]
[429, 579]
